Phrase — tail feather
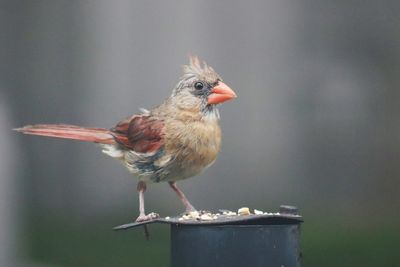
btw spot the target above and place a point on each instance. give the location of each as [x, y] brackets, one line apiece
[97, 135]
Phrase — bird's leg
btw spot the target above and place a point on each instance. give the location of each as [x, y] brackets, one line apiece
[141, 188]
[182, 197]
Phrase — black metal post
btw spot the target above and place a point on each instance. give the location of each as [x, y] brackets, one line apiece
[241, 245]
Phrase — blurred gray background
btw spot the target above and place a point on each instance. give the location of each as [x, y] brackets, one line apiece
[315, 124]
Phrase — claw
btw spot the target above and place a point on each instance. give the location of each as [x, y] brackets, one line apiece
[148, 217]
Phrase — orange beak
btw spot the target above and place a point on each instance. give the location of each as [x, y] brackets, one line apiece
[221, 93]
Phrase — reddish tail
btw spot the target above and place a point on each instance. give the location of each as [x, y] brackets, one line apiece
[97, 135]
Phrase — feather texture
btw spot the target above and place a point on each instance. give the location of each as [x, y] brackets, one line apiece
[141, 133]
[97, 135]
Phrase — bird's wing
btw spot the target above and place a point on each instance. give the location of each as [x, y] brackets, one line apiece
[140, 133]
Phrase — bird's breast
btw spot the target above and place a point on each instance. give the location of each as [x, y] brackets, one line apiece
[195, 146]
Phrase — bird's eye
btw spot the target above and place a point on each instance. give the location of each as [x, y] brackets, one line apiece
[199, 85]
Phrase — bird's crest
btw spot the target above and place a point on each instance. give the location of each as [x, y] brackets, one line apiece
[199, 69]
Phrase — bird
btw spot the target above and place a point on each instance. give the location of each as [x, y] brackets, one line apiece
[175, 140]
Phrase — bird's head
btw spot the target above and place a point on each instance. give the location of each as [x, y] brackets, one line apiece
[201, 87]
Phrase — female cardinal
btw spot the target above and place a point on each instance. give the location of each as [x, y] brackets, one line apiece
[176, 140]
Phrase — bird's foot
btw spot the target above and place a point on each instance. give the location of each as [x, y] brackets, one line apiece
[190, 209]
[148, 217]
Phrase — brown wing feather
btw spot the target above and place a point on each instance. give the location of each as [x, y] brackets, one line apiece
[141, 133]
